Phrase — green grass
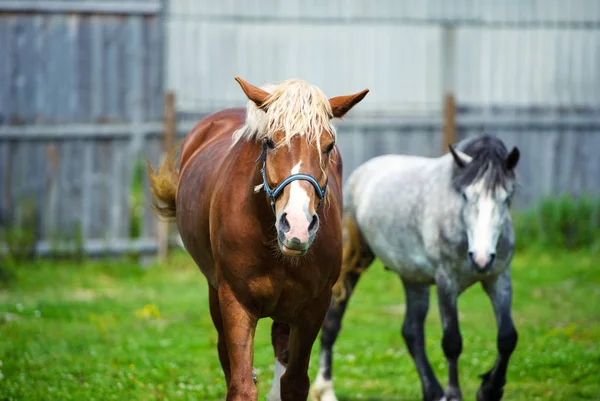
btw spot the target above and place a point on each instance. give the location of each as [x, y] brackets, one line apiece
[106, 331]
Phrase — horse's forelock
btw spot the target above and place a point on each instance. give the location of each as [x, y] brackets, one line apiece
[295, 108]
[488, 162]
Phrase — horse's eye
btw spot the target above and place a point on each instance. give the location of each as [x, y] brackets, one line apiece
[270, 143]
[329, 148]
[464, 196]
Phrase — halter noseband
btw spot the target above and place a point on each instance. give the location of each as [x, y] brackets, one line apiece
[274, 193]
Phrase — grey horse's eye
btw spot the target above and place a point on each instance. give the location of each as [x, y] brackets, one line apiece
[464, 196]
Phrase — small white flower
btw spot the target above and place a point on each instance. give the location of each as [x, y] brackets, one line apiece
[37, 314]
[19, 307]
[1, 375]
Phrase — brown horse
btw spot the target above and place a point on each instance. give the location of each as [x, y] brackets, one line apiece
[258, 201]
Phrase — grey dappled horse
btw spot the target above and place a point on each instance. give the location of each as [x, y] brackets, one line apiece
[443, 221]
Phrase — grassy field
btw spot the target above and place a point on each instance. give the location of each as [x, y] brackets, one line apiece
[102, 330]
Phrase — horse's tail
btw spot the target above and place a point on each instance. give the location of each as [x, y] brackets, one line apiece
[356, 257]
[163, 185]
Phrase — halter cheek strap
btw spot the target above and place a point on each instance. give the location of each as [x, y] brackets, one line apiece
[274, 193]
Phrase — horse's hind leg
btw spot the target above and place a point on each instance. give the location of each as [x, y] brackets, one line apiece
[215, 313]
[413, 331]
[280, 333]
[500, 293]
[357, 258]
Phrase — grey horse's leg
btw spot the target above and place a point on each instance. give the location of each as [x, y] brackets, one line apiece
[357, 259]
[323, 387]
[452, 339]
[413, 331]
[500, 293]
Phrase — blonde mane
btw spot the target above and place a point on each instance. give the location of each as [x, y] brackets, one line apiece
[294, 107]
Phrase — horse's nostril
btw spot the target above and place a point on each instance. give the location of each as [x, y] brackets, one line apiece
[471, 256]
[313, 223]
[284, 224]
[492, 258]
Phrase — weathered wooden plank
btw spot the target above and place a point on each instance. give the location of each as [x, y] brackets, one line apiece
[152, 153]
[84, 69]
[95, 7]
[7, 68]
[111, 69]
[3, 182]
[70, 131]
[73, 67]
[87, 187]
[52, 191]
[118, 182]
[96, 64]
[25, 65]
[56, 96]
[101, 158]
[155, 68]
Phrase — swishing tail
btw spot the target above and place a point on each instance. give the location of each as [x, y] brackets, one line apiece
[357, 256]
[163, 185]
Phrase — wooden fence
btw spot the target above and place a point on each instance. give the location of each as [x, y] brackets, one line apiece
[81, 104]
[82, 107]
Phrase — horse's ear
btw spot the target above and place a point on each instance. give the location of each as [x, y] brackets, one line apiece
[512, 159]
[340, 105]
[257, 95]
[461, 158]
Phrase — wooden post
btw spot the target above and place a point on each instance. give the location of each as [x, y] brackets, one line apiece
[170, 129]
[448, 64]
[449, 127]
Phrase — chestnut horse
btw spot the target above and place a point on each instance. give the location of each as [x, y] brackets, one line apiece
[258, 202]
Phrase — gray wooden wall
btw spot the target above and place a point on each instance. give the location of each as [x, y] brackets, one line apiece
[81, 99]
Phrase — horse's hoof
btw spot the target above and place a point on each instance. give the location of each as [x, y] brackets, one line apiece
[485, 393]
[452, 394]
[322, 390]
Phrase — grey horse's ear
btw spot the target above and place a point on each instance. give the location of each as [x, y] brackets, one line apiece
[461, 158]
[512, 158]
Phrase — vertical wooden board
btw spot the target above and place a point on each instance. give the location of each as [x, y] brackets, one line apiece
[110, 70]
[87, 187]
[26, 62]
[56, 93]
[65, 203]
[102, 161]
[83, 61]
[133, 43]
[152, 153]
[3, 182]
[156, 68]
[37, 175]
[23, 201]
[51, 190]
[118, 223]
[126, 173]
[42, 51]
[75, 188]
[97, 87]
[8, 43]
[123, 81]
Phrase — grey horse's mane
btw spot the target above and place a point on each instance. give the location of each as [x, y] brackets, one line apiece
[489, 158]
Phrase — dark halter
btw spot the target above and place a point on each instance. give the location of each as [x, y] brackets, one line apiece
[274, 193]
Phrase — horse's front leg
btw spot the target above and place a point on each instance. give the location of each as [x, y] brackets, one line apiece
[447, 291]
[239, 327]
[500, 293]
[413, 331]
[303, 333]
